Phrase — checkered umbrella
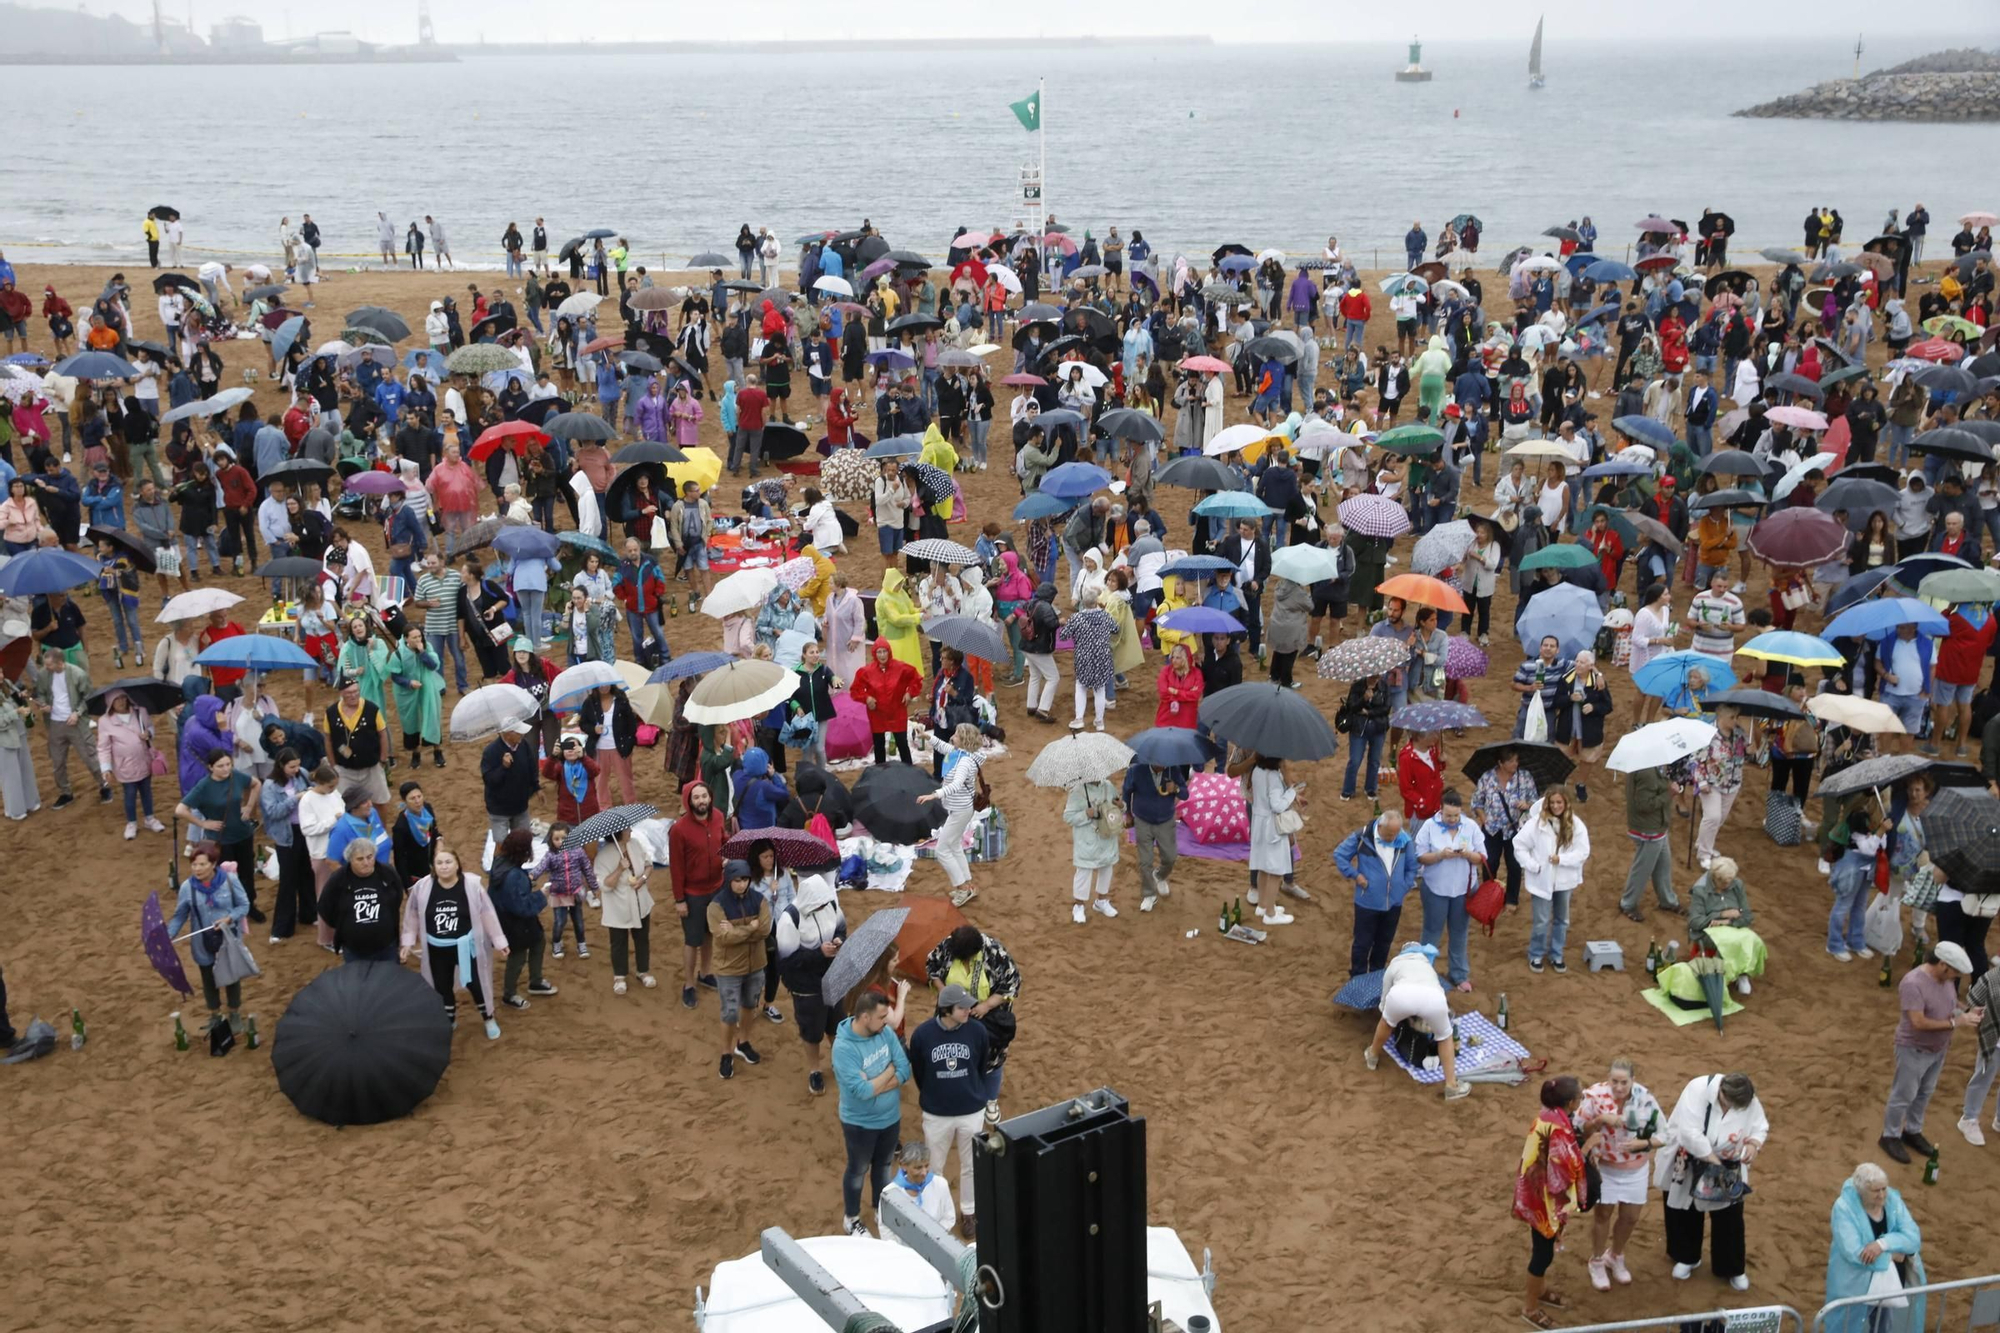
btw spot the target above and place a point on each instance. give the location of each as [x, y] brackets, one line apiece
[1358, 659]
[1962, 835]
[607, 823]
[941, 551]
[1081, 756]
[160, 946]
[1442, 547]
[1374, 516]
[1463, 659]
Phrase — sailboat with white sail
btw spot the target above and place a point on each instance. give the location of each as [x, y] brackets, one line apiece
[1535, 79]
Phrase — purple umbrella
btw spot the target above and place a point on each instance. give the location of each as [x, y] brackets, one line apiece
[374, 483]
[160, 946]
[1463, 659]
[877, 269]
[1374, 516]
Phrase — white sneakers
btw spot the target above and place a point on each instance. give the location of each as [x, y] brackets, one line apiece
[1103, 907]
[1969, 1126]
[1291, 890]
[1253, 897]
[1146, 904]
[154, 826]
[1743, 985]
[1741, 1282]
[1864, 952]
[1616, 1263]
[1600, 1273]
[1076, 914]
[1682, 1272]
[1369, 1057]
[1166, 889]
[1275, 916]
[1842, 956]
[131, 831]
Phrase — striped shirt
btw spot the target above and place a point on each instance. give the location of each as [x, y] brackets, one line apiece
[961, 783]
[1722, 611]
[442, 591]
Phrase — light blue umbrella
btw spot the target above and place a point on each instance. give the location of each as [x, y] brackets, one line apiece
[1398, 283]
[1073, 481]
[1865, 620]
[1792, 648]
[1201, 620]
[899, 446]
[1610, 270]
[583, 541]
[195, 408]
[255, 652]
[1566, 611]
[426, 360]
[1236, 263]
[287, 334]
[526, 544]
[1851, 593]
[1201, 566]
[1667, 675]
[1646, 430]
[1233, 504]
[1616, 468]
[1043, 505]
[496, 380]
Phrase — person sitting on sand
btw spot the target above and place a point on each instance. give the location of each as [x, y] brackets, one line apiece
[1413, 994]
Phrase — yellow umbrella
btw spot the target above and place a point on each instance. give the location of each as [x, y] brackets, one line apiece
[703, 468]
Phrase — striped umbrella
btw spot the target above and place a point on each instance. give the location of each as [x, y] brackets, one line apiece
[1374, 516]
[607, 823]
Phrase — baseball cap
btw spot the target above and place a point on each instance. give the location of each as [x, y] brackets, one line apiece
[958, 997]
[1953, 956]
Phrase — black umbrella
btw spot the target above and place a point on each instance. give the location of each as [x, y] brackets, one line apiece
[1729, 277]
[1887, 769]
[711, 259]
[1881, 472]
[1730, 463]
[143, 345]
[743, 285]
[1090, 322]
[971, 635]
[579, 426]
[648, 451]
[1271, 720]
[915, 323]
[490, 327]
[1947, 379]
[382, 320]
[1962, 835]
[865, 945]
[1732, 498]
[1980, 367]
[599, 234]
[1545, 763]
[885, 800]
[569, 248]
[1232, 248]
[1039, 312]
[1272, 349]
[642, 362]
[1838, 269]
[869, 249]
[1130, 423]
[1859, 498]
[480, 534]
[1950, 442]
[783, 440]
[299, 471]
[361, 1044]
[165, 212]
[618, 495]
[1058, 346]
[263, 291]
[135, 548]
[540, 410]
[151, 693]
[1197, 473]
[290, 567]
[818, 792]
[1563, 233]
[908, 259]
[607, 823]
[166, 282]
[1757, 703]
[1787, 382]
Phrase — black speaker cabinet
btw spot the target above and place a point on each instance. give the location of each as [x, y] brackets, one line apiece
[1062, 1219]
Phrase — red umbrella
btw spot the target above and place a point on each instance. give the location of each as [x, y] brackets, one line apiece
[516, 435]
[929, 921]
[1935, 349]
[1798, 537]
[972, 268]
[1656, 261]
[609, 340]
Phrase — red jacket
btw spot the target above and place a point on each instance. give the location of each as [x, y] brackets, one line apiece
[1962, 653]
[1422, 784]
[297, 422]
[1183, 690]
[694, 853]
[15, 304]
[884, 690]
[239, 488]
[750, 405]
[640, 587]
[213, 634]
[1356, 305]
[568, 809]
[839, 422]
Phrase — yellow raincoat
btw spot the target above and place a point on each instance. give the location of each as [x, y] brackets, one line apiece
[818, 590]
[896, 619]
[938, 451]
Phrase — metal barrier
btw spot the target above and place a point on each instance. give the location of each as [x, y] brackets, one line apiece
[1983, 1311]
[1749, 1319]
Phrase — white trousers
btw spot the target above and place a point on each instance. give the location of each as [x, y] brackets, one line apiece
[1086, 880]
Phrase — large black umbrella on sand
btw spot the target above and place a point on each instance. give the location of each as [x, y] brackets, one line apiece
[361, 1044]
[885, 800]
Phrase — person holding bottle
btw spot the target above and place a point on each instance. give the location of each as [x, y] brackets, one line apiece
[1629, 1125]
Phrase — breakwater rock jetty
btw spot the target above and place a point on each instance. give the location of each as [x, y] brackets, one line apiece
[1957, 85]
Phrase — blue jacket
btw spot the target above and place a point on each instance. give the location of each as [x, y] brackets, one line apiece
[107, 507]
[269, 447]
[760, 793]
[389, 396]
[407, 527]
[1381, 890]
[857, 1062]
[202, 905]
[1142, 794]
[513, 893]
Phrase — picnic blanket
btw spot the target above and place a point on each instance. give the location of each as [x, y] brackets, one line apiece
[1185, 844]
[1680, 1017]
[889, 864]
[1363, 992]
[1495, 1048]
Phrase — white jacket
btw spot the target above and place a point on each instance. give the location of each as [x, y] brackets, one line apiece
[1726, 1132]
[437, 329]
[1545, 871]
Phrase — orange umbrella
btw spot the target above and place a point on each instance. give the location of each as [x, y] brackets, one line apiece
[929, 921]
[599, 344]
[1423, 590]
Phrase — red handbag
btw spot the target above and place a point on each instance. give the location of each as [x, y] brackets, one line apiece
[1486, 903]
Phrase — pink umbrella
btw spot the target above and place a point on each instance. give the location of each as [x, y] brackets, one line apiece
[374, 483]
[1801, 418]
[1936, 349]
[971, 240]
[1207, 365]
[796, 574]
[1023, 381]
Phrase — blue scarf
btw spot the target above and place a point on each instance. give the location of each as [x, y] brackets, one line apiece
[577, 779]
[420, 826]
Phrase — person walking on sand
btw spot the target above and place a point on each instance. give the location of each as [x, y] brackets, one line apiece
[1928, 999]
[625, 908]
[1549, 1188]
[695, 859]
[439, 245]
[385, 238]
[1096, 819]
[449, 914]
[739, 920]
[212, 900]
[808, 934]
[870, 1066]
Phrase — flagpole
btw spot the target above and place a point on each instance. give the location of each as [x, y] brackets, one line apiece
[1042, 141]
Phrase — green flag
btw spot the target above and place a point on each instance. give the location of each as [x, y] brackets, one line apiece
[1029, 112]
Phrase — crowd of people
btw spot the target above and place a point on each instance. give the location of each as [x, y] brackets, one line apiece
[1747, 421]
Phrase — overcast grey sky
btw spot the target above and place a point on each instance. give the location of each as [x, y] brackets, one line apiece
[1963, 21]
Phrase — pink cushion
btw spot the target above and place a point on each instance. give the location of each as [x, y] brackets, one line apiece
[1214, 810]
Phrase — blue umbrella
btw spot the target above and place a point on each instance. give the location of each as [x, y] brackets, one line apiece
[1237, 264]
[287, 334]
[599, 234]
[1397, 284]
[1566, 611]
[526, 544]
[1437, 715]
[1854, 590]
[255, 652]
[583, 541]
[1646, 430]
[1201, 620]
[1667, 674]
[1043, 505]
[1172, 747]
[496, 380]
[1610, 270]
[1596, 313]
[1233, 504]
[898, 446]
[32, 360]
[689, 664]
[892, 356]
[1881, 615]
[1057, 418]
[426, 360]
[96, 366]
[1199, 565]
[1073, 481]
[45, 569]
[1579, 261]
[1612, 469]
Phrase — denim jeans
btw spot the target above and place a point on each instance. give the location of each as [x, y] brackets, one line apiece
[1848, 915]
[870, 1154]
[637, 625]
[1442, 916]
[1699, 438]
[1369, 738]
[451, 645]
[575, 919]
[279, 550]
[1550, 929]
[124, 619]
[1899, 443]
[979, 427]
[138, 796]
[205, 542]
[532, 623]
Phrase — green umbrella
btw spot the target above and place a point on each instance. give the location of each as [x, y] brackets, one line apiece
[1961, 585]
[1844, 373]
[1565, 556]
[1414, 438]
[1619, 523]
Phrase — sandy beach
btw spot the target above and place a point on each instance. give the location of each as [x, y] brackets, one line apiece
[589, 1168]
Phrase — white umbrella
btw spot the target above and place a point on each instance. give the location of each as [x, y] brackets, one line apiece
[1240, 436]
[333, 347]
[1081, 756]
[1303, 564]
[1789, 482]
[748, 688]
[574, 684]
[1276, 254]
[1855, 714]
[745, 590]
[1091, 374]
[1006, 277]
[983, 349]
[827, 282]
[1319, 437]
[1660, 743]
[1538, 264]
[582, 303]
[1537, 336]
[196, 604]
[490, 710]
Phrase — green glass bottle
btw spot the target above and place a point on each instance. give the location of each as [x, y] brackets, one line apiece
[1653, 958]
[1931, 1168]
[1887, 977]
[180, 1033]
[1222, 918]
[76, 1034]
[250, 1033]
[1236, 913]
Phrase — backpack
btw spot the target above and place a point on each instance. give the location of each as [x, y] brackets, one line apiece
[822, 829]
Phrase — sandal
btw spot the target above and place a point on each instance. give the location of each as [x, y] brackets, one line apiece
[648, 982]
[617, 985]
[1554, 1300]
[1537, 1319]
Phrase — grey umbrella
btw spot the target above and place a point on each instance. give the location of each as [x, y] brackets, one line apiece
[970, 635]
[859, 953]
[1271, 720]
[710, 259]
[1882, 771]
